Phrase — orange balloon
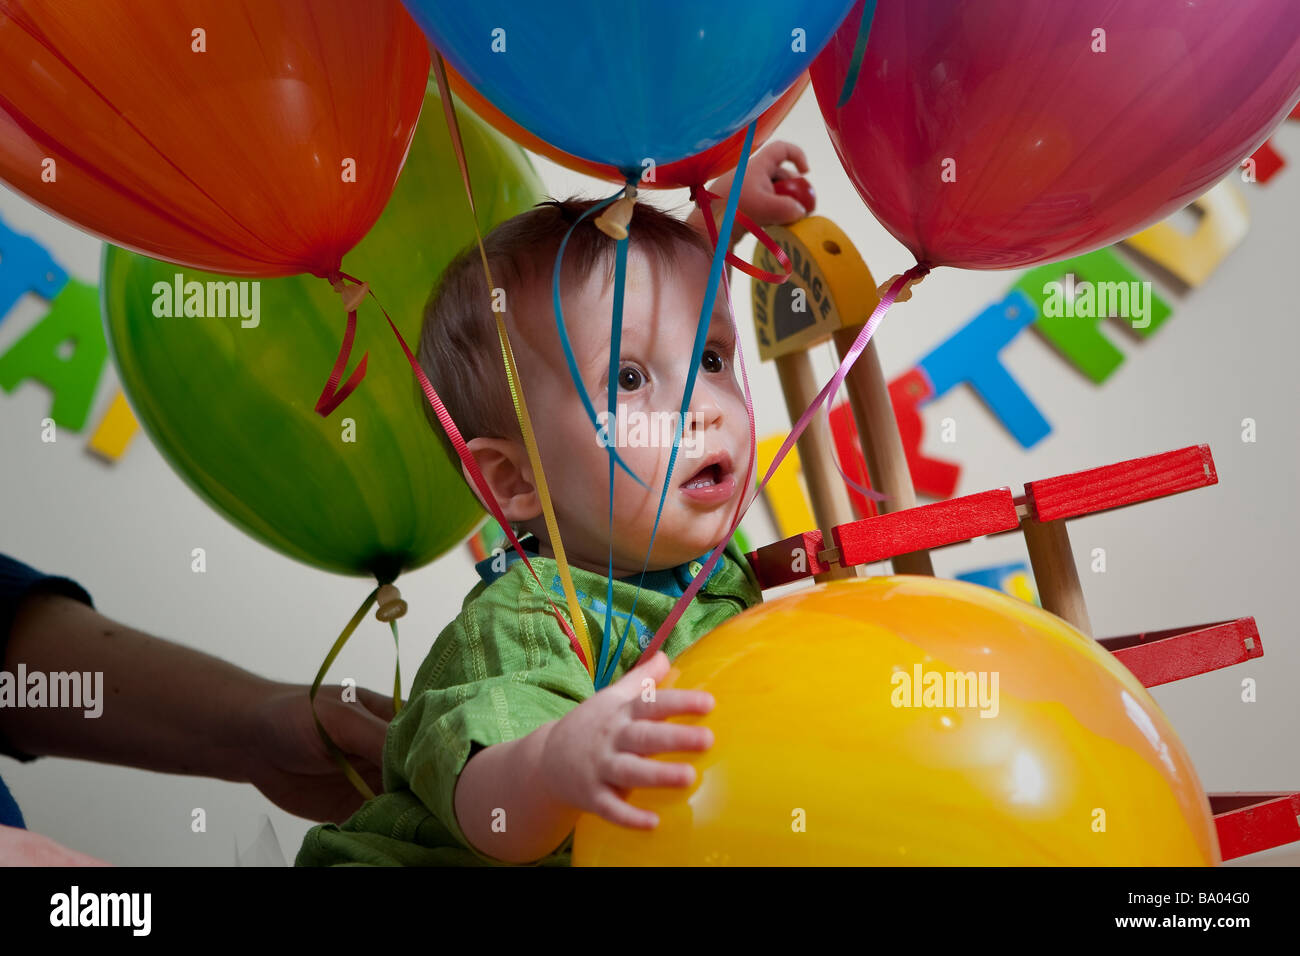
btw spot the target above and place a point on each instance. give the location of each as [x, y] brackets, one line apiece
[692, 171]
[236, 136]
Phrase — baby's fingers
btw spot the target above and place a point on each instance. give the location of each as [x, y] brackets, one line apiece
[669, 703]
[647, 737]
[778, 152]
[629, 771]
[631, 684]
[609, 806]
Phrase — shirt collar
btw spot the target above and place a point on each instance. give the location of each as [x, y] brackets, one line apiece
[670, 581]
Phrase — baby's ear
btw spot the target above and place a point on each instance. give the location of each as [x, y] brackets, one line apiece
[504, 465]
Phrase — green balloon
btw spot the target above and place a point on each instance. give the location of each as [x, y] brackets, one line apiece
[231, 405]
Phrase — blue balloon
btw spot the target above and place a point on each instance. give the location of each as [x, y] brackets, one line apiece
[625, 81]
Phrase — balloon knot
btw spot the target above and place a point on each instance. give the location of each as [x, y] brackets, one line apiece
[391, 606]
[352, 295]
[905, 293]
[613, 221]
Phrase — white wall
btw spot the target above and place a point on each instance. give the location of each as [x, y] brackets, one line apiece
[126, 531]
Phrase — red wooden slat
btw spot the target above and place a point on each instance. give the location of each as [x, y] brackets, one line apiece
[1125, 483]
[1259, 826]
[924, 527]
[1236, 799]
[1159, 657]
[774, 564]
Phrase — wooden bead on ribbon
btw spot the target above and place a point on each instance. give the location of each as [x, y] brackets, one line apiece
[613, 221]
[352, 295]
[390, 604]
[906, 293]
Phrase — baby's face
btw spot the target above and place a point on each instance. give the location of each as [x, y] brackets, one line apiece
[661, 310]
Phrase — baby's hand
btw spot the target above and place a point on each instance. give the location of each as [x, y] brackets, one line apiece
[600, 749]
[758, 195]
[759, 198]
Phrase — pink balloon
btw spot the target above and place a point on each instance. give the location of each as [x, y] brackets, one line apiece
[1003, 133]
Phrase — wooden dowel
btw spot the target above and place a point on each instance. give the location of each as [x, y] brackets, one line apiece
[1055, 572]
[830, 498]
[882, 445]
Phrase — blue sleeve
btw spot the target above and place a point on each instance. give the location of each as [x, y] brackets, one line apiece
[17, 582]
[10, 815]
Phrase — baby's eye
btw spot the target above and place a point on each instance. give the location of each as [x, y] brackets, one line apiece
[630, 378]
[711, 361]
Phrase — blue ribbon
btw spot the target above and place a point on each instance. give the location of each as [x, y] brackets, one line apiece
[567, 346]
[859, 51]
[697, 352]
[611, 398]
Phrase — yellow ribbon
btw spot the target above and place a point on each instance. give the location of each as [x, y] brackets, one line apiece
[330, 746]
[516, 392]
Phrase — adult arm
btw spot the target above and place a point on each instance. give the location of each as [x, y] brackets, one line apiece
[169, 708]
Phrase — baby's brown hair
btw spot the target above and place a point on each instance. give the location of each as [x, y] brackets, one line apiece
[459, 349]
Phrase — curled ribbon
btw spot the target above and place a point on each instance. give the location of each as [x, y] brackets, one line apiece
[332, 396]
[704, 199]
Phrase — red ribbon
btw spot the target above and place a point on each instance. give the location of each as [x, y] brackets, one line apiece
[332, 396]
[704, 200]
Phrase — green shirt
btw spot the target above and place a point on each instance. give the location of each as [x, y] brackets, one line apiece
[497, 672]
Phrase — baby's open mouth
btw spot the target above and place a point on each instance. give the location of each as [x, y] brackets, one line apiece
[706, 476]
[713, 479]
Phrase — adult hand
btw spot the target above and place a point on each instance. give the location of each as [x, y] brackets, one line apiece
[288, 762]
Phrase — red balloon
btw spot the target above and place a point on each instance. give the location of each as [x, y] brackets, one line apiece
[243, 137]
[693, 171]
[1004, 133]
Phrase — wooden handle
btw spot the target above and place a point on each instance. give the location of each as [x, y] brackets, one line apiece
[1055, 572]
[882, 445]
[830, 499]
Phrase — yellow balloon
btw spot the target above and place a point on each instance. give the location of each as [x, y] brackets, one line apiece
[916, 721]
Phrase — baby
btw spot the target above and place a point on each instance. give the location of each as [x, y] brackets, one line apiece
[504, 740]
